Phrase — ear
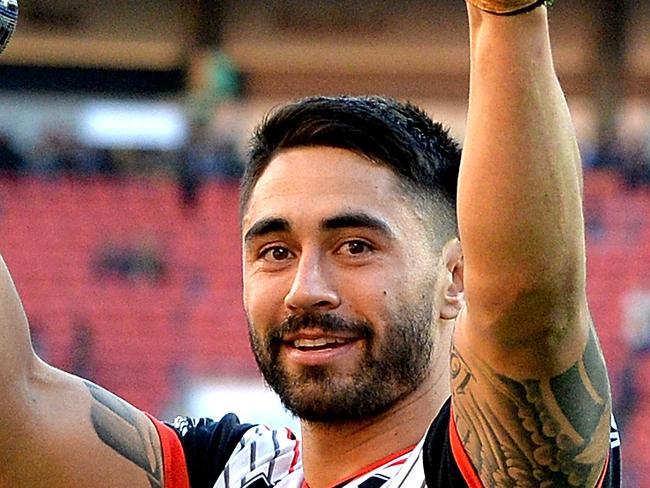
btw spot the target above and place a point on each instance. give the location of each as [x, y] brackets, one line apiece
[453, 297]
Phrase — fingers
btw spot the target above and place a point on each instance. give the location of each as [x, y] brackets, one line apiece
[508, 7]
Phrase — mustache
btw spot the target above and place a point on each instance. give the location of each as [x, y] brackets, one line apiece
[327, 322]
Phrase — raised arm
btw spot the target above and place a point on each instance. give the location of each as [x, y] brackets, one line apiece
[530, 390]
[58, 430]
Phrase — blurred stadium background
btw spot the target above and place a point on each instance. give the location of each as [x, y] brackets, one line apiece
[123, 127]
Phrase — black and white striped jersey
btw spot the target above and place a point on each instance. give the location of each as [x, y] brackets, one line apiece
[202, 453]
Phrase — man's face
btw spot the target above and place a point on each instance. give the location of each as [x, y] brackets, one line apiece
[339, 278]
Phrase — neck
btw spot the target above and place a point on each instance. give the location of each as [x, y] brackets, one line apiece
[333, 452]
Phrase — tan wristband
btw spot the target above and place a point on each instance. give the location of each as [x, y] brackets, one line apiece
[508, 7]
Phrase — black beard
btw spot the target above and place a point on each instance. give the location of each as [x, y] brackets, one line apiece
[388, 371]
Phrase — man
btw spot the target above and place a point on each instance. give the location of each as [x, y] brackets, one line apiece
[362, 306]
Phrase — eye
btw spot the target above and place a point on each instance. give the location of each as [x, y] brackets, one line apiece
[275, 254]
[355, 248]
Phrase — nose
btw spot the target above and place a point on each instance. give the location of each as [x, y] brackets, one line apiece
[312, 288]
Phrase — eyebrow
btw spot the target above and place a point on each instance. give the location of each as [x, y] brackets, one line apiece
[356, 220]
[267, 226]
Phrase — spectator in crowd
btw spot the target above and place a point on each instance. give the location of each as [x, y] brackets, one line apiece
[56, 154]
[228, 165]
[636, 328]
[59, 154]
[636, 332]
[635, 164]
[206, 157]
[12, 164]
[131, 262]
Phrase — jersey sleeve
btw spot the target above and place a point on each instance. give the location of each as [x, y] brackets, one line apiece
[196, 450]
[446, 463]
[174, 465]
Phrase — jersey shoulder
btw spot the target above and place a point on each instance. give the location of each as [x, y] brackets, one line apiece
[228, 453]
[207, 444]
[440, 466]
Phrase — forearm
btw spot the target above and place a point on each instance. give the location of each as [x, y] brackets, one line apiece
[524, 354]
[519, 190]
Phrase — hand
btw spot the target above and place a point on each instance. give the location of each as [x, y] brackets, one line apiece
[508, 7]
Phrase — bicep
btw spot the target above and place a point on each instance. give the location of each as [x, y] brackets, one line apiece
[74, 433]
[541, 428]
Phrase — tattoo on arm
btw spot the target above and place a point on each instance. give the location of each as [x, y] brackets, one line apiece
[131, 436]
[536, 432]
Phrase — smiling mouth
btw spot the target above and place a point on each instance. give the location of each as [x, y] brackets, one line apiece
[320, 344]
[320, 348]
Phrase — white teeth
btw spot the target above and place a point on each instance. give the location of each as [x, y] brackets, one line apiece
[320, 342]
[309, 342]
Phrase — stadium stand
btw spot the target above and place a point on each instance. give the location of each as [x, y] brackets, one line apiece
[143, 334]
[144, 337]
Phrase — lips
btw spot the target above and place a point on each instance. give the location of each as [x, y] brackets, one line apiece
[319, 343]
[311, 347]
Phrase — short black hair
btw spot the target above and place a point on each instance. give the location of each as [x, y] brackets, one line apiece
[394, 134]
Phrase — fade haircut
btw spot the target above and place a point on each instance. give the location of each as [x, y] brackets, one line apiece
[390, 133]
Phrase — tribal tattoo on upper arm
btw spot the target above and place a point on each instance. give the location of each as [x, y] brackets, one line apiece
[131, 436]
[537, 432]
